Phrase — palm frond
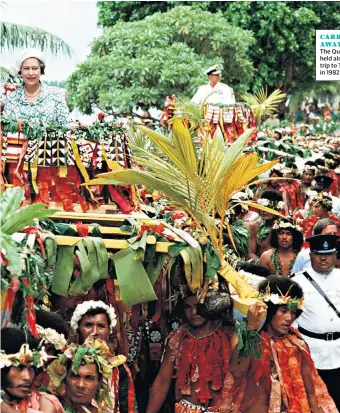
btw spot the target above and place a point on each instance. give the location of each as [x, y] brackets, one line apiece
[17, 36]
[261, 104]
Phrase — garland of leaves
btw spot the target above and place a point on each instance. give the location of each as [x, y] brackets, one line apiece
[242, 235]
[263, 232]
[37, 130]
[275, 260]
[249, 341]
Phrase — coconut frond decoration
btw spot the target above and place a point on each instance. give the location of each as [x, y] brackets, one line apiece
[261, 104]
[200, 183]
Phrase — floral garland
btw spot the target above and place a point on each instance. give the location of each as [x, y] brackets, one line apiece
[323, 198]
[24, 356]
[311, 168]
[271, 204]
[51, 336]
[285, 225]
[292, 304]
[85, 306]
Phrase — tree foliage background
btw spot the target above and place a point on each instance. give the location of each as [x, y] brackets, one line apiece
[162, 54]
[151, 49]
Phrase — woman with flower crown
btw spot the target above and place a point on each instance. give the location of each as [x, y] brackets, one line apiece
[321, 207]
[271, 363]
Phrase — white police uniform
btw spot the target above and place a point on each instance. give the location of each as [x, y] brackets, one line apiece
[319, 318]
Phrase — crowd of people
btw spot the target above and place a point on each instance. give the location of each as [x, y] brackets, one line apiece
[283, 358]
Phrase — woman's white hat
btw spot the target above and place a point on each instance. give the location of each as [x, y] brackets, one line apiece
[28, 53]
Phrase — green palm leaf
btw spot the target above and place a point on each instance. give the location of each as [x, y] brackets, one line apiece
[17, 36]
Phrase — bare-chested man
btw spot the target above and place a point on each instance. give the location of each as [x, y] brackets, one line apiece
[286, 240]
[197, 355]
[260, 230]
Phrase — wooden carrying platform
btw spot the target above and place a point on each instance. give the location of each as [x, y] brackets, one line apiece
[109, 226]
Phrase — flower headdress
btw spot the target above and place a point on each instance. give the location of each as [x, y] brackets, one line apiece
[92, 351]
[271, 204]
[24, 356]
[293, 304]
[51, 336]
[279, 167]
[85, 306]
[311, 168]
[285, 225]
[322, 197]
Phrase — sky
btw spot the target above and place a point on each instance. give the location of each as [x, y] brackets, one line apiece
[75, 21]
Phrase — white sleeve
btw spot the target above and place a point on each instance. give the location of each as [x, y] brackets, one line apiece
[197, 98]
[232, 98]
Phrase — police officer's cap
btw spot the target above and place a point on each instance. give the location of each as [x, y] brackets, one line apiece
[323, 244]
[323, 181]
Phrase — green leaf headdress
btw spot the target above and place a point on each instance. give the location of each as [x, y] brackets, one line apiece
[92, 351]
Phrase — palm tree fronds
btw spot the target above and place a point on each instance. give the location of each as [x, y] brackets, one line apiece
[17, 36]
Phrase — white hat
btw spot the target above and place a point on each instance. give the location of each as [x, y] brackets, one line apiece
[212, 70]
[26, 54]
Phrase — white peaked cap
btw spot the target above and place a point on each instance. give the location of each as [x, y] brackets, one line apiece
[212, 70]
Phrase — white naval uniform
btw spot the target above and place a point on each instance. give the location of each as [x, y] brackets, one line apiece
[219, 94]
[318, 317]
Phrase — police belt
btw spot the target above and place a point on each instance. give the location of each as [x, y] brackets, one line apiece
[325, 336]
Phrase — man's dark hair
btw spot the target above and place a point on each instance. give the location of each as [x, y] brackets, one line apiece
[321, 225]
[271, 195]
[310, 163]
[12, 339]
[275, 171]
[281, 286]
[297, 238]
[252, 268]
[320, 162]
[48, 319]
[95, 311]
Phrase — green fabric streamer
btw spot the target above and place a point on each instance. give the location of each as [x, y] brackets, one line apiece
[93, 262]
[176, 249]
[138, 246]
[134, 283]
[249, 341]
[213, 261]
[64, 269]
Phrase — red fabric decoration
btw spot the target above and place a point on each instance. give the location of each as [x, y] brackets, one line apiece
[82, 229]
[286, 354]
[204, 361]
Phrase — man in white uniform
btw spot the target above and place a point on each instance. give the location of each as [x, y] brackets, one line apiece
[320, 321]
[214, 92]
